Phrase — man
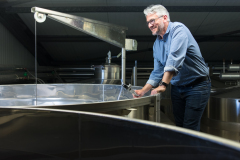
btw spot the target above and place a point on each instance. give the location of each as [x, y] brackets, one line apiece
[177, 59]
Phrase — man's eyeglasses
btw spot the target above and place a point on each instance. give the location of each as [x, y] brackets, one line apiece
[152, 21]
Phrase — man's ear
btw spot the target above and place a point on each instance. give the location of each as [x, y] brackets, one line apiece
[165, 17]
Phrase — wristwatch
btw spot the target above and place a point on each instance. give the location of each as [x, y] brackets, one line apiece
[163, 84]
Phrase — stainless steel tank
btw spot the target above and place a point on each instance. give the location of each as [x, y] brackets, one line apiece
[101, 98]
[37, 133]
[108, 73]
[222, 114]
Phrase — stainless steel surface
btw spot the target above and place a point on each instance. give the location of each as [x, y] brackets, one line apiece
[43, 133]
[109, 57]
[229, 92]
[157, 108]
[222, 114]
[110, 33]
[130, 44]
[123, 65]
[229, 76]
[107, 72]
[82, 97]
[234, 67]
[142, 112]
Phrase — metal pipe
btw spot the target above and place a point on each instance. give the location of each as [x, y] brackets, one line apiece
[135, 74]
[123, 65]
[76, 74]
[216, 73]
[145, 68]
[223, 65]
[109, 57]
[230, 76]
[71, 69]
[234, 67]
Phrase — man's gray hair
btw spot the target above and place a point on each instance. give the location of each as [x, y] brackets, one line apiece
[158, 9]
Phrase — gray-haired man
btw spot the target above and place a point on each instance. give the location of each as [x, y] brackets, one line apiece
[177, 59]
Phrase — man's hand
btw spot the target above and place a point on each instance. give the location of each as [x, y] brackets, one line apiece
[158, 90]
[139, 92]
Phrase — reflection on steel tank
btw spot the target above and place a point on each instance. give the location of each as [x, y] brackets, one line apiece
[222, 114]
[37, 133]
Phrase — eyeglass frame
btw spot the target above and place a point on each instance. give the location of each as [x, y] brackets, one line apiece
[152, 21]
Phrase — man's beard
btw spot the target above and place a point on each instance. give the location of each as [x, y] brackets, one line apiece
[160, 28]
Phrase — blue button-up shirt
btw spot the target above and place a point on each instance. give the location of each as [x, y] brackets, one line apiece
[179, 52]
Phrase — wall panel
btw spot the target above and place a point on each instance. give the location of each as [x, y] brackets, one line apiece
[12, 52]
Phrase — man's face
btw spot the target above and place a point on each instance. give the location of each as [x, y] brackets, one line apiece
[156, 24]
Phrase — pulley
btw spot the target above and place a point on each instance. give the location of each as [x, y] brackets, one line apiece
[39, 17]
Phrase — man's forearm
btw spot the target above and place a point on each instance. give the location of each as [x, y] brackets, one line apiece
[147, 87]
[167, 77]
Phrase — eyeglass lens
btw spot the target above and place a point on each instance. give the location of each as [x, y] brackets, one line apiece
[152, 21]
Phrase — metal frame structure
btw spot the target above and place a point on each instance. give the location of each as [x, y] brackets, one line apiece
[113, 34]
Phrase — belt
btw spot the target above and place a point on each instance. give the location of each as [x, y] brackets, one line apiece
[198, 80]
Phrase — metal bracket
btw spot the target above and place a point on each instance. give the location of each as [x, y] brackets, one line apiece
[130, 44]
[157, 108]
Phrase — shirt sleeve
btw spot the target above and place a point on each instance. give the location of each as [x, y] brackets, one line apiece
[157, 73]
[178, 50]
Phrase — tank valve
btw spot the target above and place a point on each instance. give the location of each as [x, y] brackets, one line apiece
[129, 88]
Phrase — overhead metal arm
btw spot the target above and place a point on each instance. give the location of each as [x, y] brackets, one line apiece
[110, 33]
[105, 31]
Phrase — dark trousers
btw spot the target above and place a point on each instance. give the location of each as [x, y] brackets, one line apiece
[189, 104]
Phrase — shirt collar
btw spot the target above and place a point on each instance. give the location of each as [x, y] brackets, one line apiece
[168, 29]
